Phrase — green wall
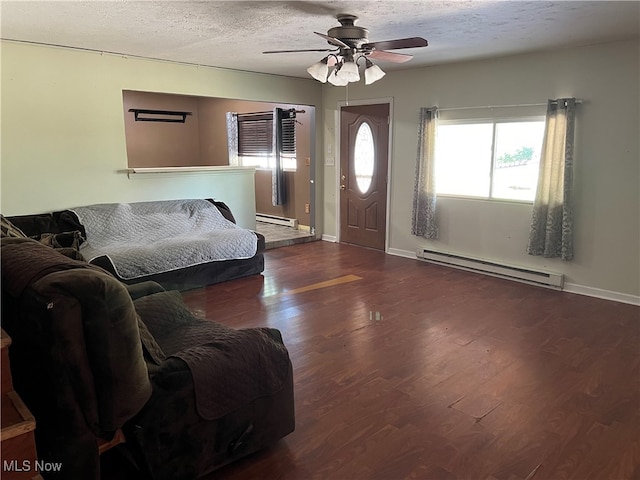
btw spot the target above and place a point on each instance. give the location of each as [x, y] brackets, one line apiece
[606, 172]
[63, 138]
[63, 145]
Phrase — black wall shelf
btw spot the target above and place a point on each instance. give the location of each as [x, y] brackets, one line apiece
[167, 116]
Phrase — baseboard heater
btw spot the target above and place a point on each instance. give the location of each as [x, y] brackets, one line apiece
[510, 272]
[287, 222]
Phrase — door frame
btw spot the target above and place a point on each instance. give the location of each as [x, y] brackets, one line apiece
[338, 140]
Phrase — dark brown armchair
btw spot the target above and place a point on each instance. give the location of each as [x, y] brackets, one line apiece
[91, 356]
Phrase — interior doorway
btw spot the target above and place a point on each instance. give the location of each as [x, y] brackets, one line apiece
[364, 154]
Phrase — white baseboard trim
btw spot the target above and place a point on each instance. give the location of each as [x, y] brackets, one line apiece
[568, 287]
[402, 253]
[599, 293]
[329, 238]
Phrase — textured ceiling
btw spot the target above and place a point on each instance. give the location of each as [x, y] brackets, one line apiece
[232, 34]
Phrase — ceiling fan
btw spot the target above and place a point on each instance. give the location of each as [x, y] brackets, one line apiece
[351, 43]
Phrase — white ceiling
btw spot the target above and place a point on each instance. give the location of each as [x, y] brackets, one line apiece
[233, 34]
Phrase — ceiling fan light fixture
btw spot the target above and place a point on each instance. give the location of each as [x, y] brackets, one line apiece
[349, 44]
[336, 79]
[372, 73]
[350, 71]
[320, 70]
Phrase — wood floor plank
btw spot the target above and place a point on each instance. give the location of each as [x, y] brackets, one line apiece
[421, 371]
[327, 283]
[462, 376]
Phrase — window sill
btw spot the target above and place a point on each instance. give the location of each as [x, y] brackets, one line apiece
[485, 199]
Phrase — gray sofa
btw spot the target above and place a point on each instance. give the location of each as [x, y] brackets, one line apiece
[65, 229]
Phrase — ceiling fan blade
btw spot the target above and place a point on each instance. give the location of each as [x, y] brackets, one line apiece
[390, 56]
[411, 42]
[296, 51]
[333, 41]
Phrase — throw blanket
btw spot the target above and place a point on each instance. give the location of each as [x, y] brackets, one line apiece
[153, 237]
[230, 368]
[24, 261]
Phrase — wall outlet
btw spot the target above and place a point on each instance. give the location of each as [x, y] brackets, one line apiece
[306, 208]
[307, 161]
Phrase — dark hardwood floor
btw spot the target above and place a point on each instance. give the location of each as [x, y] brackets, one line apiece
[405, 369]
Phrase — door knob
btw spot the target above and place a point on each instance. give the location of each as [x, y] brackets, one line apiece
[342, 187]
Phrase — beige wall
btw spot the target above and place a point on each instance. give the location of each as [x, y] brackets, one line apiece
[63, 135]
[606, 177]
[161, 144]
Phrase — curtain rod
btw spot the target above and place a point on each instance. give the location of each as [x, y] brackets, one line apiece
[578, 101]
[270, 111]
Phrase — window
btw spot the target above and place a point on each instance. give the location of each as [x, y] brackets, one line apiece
[255, 140]
[364, 154]
[493, 159]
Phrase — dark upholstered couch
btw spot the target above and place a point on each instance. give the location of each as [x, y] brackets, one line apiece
[90, 355]
[62, 225]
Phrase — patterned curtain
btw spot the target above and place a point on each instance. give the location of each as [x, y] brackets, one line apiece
[232, 138]
[551, 232]
[423, 222]
[278, 186]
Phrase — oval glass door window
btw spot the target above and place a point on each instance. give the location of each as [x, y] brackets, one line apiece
[363, 157]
